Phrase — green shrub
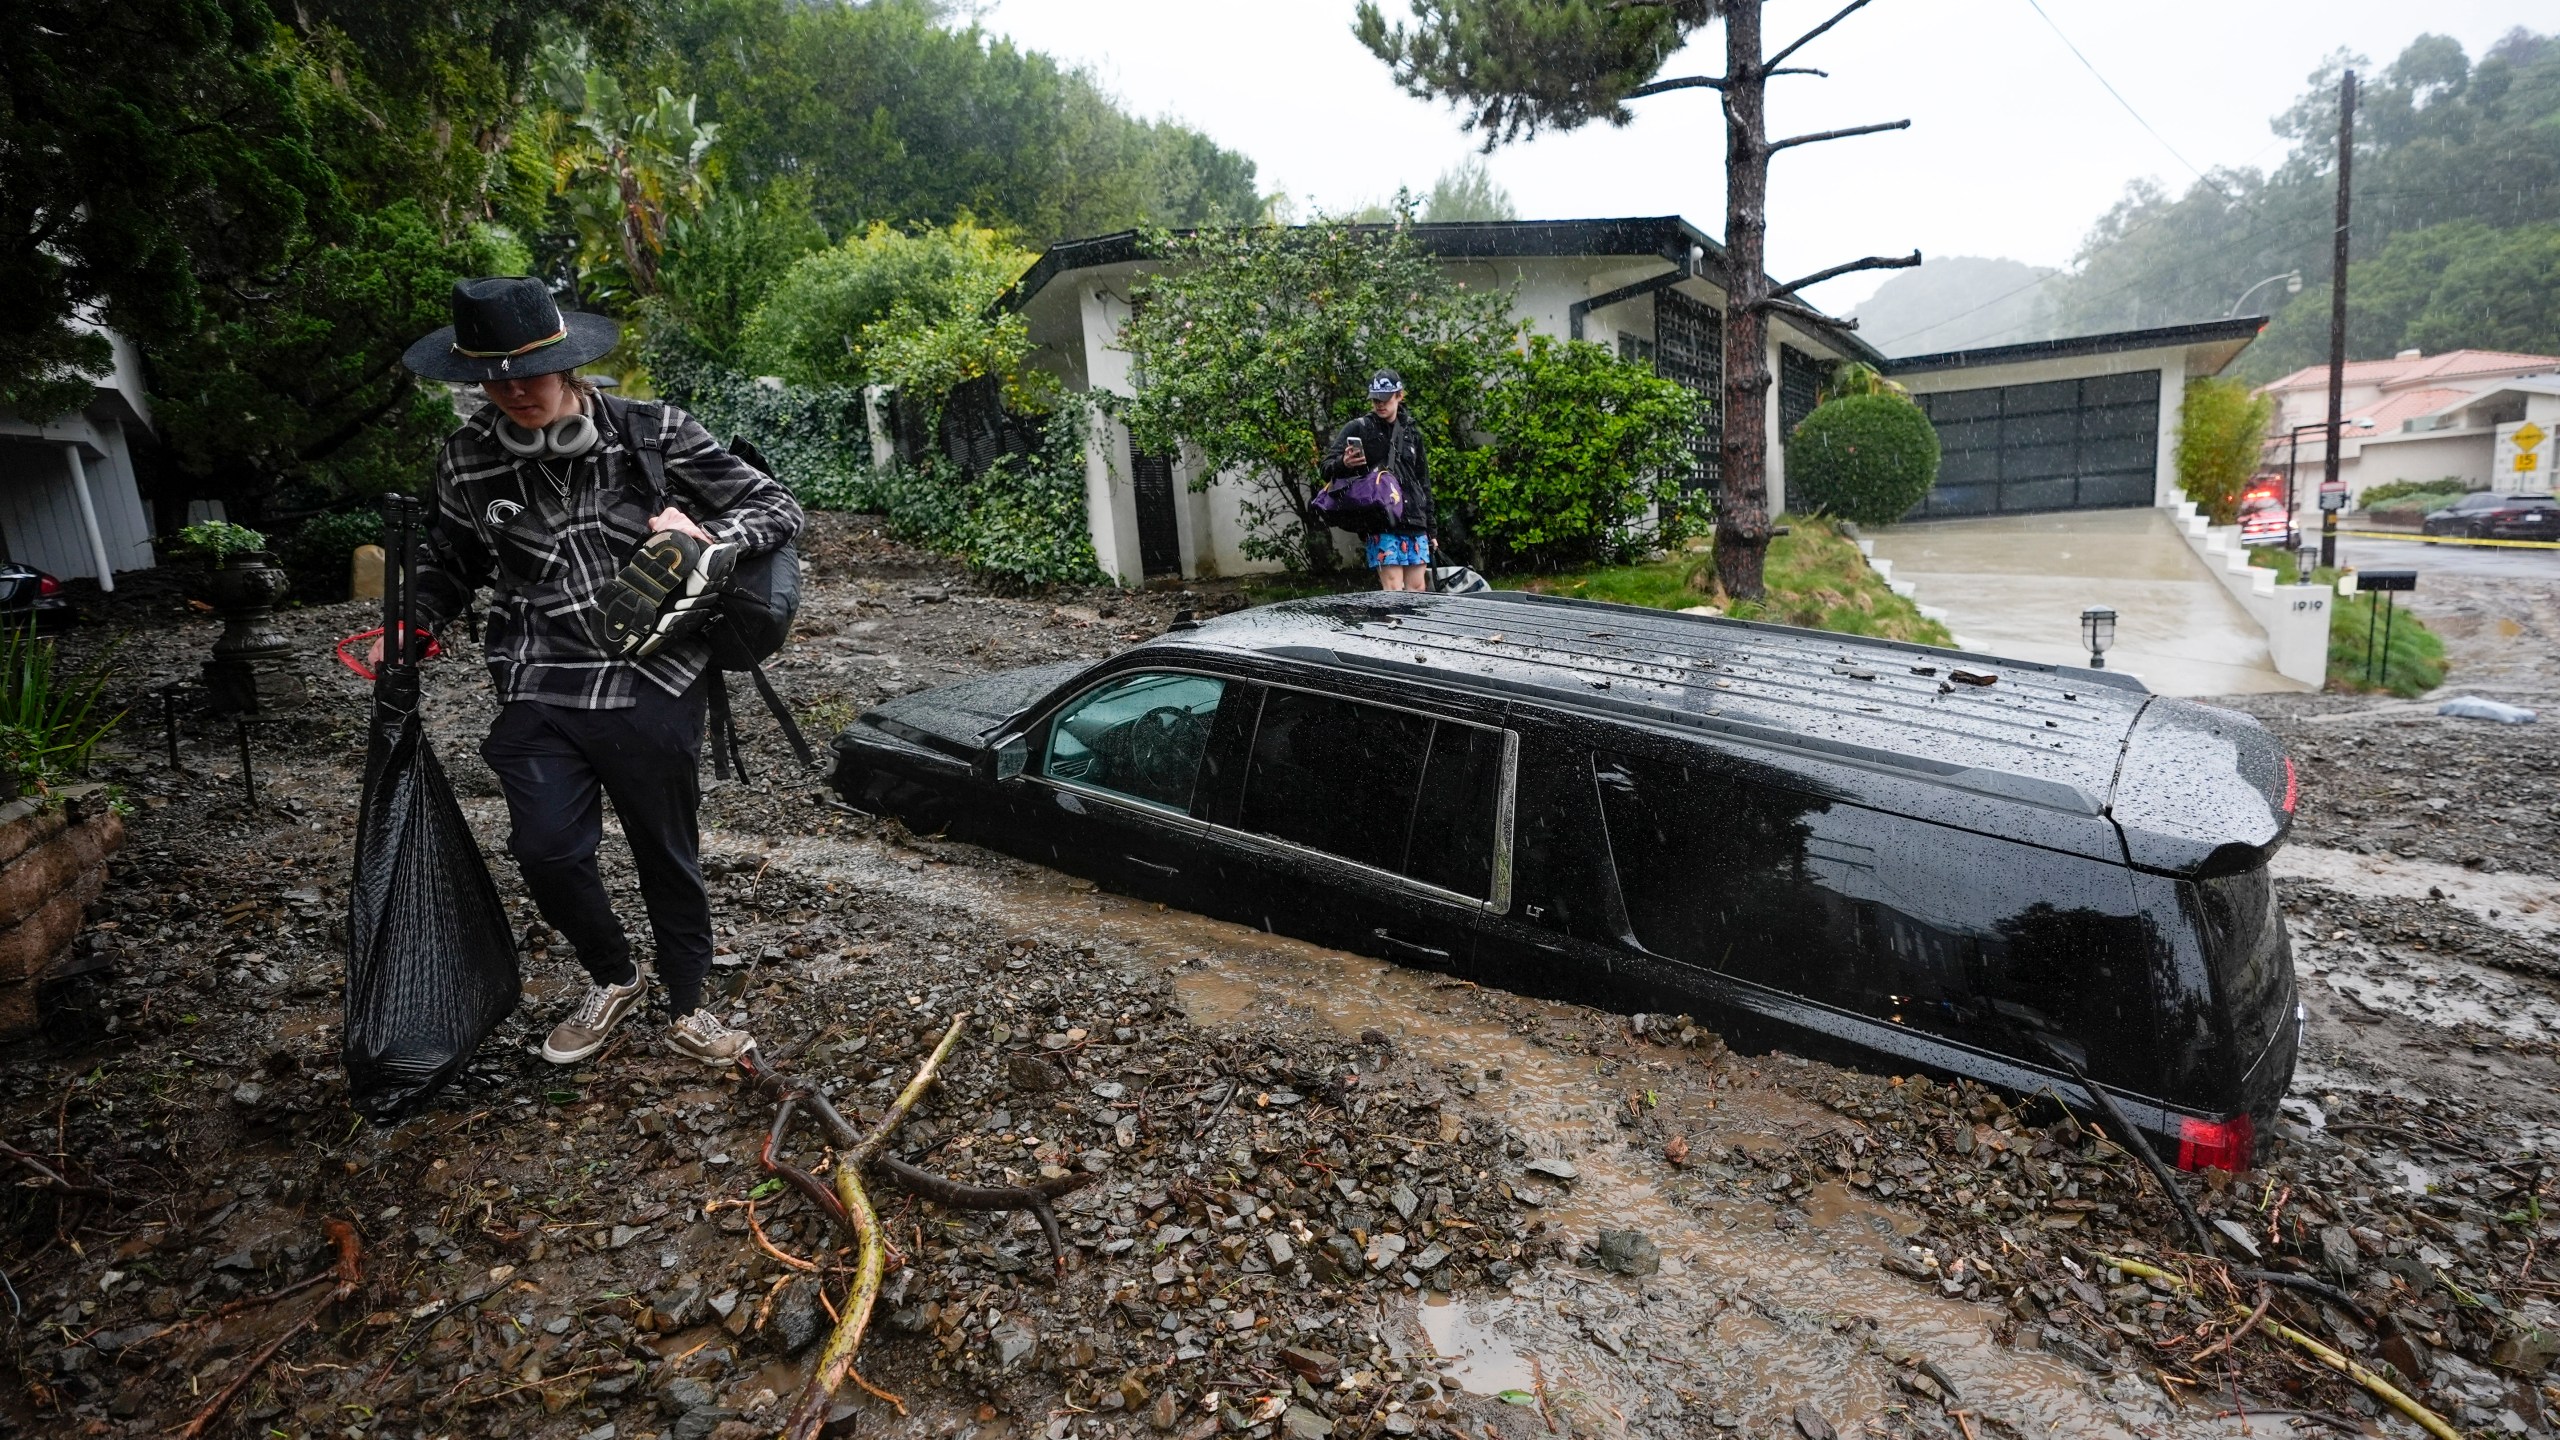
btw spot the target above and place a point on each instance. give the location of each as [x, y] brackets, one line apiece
[49, 720]
[2416, 498]
[319, 551]
[218, 540]
[814, 435]
[1584, 448]
[1867, 458]
[2222, 430]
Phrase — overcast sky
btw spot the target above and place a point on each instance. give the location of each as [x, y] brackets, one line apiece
[2013, 149]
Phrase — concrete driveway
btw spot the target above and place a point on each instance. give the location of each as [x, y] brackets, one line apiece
[2014, 585]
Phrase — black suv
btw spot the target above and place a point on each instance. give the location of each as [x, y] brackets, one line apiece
[2485, 516]
[1886, 854]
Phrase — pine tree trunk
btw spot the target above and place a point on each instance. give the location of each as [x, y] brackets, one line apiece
[1742, 512]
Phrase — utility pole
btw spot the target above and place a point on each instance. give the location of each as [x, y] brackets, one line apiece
[2338, 317]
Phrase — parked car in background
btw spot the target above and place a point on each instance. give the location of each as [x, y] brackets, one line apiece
[2265, 519]
[2482, 515]
[1886, 854]
[27, 593]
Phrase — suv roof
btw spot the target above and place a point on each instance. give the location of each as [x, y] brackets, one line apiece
[2043, 734]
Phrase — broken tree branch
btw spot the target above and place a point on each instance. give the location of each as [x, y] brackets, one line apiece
[2390, 1394]
[1768, 67]
[1034, 1198]
[45, 1177]
[350, 1273]
[1819, 136]
[1684, 82]
[1871, 262]
[1808, 314]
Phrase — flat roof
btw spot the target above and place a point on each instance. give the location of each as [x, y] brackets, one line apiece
[1668, 237]
[2242, 329]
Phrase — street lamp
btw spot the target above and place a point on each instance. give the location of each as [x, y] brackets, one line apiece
[2098, 631]
[2292, 286]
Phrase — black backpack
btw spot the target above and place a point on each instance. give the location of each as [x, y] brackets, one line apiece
[757, 610]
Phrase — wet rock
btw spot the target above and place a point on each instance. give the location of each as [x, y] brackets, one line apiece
[1277, 1245]
[1553, 1169]
[2338, 1248]
[795, 1315]
[2238, 1234]
[1301, 1423]
[250, 1093]
[1031, 1074]
[1384, 1250]
[1629, 1252]
[1811, 1425]
[1012, 1342]
[683, 1394]
[1318, 1366]
[1400, 1422]
[1163, 1414]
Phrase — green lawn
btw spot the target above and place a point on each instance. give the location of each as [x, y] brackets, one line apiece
[1814, 575]
[2416, 660]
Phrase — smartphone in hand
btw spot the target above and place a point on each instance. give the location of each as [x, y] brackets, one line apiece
[1353, 452]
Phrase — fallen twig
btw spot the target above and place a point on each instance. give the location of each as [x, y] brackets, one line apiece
[48, 1178]
[765, 1243]
[350, 1273]
[2227, 1341]
[2390, 1394]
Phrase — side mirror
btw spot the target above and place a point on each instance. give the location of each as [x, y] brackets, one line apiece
[1005, 759]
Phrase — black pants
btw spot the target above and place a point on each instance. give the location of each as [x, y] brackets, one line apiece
[556, 765]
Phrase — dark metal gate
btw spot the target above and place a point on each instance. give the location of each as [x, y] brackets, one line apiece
[1159, 535]
[1688, 346]
[2055, 445]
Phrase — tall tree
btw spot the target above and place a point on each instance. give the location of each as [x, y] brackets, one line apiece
[1518, 66]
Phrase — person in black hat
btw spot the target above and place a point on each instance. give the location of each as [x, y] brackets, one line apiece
[1387, 439]
[541, 495]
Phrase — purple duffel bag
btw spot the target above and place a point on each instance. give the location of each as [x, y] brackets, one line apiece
[1367, 504]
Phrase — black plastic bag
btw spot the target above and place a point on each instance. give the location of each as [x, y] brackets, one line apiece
[431, 959]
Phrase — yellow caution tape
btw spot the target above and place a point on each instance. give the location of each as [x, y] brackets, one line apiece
[2447, 539]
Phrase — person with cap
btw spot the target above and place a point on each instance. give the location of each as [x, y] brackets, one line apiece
[1387, 439]
[540, 494]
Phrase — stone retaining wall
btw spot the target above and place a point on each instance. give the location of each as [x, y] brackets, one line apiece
[53, 862]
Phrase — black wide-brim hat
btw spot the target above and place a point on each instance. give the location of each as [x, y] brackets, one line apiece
[506, 327]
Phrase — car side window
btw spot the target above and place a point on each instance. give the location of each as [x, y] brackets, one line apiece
[1386, 788]
[1336, 775]
[1141, 736]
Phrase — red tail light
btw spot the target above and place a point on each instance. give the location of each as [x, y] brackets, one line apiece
[47, 585]
[2216, 1144]
[2292, 785]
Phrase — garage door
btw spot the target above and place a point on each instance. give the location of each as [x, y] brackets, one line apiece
[2056, 445]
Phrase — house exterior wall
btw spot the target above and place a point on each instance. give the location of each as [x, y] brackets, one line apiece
[2169, 361]
[1076, 321]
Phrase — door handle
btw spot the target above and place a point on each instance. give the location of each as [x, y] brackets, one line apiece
[1152, 865]
[1410, 947]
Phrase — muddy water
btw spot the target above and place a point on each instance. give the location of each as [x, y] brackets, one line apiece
[2527, 905]
[1753, 1311]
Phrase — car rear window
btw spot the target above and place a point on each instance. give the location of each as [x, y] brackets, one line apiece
[2252, 960]
[1386, 788]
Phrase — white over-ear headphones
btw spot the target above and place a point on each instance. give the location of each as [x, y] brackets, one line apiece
[564, 438]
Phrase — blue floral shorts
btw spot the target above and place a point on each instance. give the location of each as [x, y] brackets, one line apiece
[1399, 550]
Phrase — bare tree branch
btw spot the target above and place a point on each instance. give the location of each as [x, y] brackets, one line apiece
[1872, 262]
[1685, 82]
[1810, 36]
[1796, 70]
[1794, 140]
[1807, 314]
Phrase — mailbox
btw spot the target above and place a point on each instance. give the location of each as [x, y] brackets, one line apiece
[2386, 580]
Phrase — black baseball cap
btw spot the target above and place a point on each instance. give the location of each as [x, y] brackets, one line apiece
[1384, 384]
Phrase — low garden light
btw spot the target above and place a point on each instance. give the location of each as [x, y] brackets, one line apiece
[2098, 631]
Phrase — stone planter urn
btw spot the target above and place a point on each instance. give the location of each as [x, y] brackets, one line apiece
[252, 667]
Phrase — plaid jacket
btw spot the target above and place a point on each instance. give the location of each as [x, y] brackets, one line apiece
[501, 520]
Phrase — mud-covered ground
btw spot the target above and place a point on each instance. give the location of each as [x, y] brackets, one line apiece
[1335, 1197]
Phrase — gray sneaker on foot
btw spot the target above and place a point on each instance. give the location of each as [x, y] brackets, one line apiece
[588, 1026]
[703, 1036]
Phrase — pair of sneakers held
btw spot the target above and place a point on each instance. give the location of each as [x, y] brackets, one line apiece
[701, 1035]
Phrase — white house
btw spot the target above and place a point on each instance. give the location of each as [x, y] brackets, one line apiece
[69, 504]
[1649, 287]
[2084, 422]
[2455, 415]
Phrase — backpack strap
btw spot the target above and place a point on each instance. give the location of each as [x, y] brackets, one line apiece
[725, 751]
[782, 717]
[644, 433]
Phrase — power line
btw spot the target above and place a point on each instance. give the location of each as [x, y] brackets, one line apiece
[2112, 90]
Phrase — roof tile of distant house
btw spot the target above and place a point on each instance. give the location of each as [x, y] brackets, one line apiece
[2451, 365]
[2410, 404]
